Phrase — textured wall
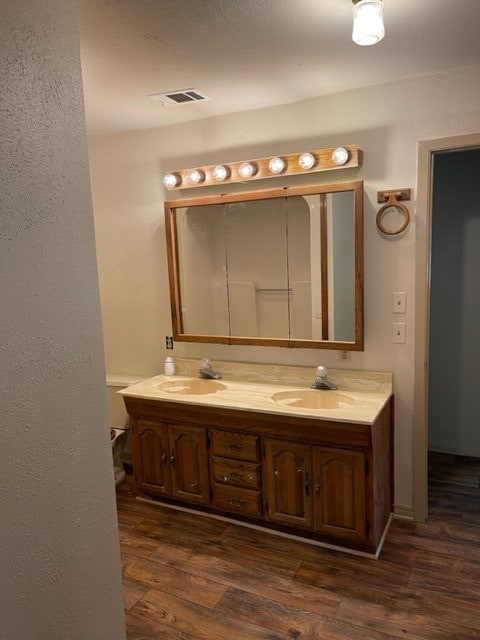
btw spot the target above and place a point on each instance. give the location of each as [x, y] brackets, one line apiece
[58, 538]
[387, 122]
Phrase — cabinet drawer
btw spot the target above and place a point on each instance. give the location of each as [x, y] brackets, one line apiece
[236, 445]
[236, 473]
[237, 500]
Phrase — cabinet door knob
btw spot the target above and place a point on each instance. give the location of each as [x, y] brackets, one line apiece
[277, 472]
[317, 485]
[164, 458]
[172, 460]
[306, 483]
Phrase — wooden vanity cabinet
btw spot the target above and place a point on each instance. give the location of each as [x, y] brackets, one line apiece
[235, 473]
[326, 481]
[287, 482]
[171, 460]
[317, 488]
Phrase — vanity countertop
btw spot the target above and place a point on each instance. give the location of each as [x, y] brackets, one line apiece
[360, 397]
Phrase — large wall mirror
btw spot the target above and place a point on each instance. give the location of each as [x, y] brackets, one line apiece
[280, 267]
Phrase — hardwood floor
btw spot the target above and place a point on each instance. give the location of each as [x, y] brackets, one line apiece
[193, 578]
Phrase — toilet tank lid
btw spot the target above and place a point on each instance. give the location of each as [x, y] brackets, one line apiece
[123, 380]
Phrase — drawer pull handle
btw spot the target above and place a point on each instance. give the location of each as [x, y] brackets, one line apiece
[233, 446]
[234, 475]
[236, 502]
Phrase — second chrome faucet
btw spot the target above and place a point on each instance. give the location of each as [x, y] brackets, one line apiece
[206, 370]
[321, 380]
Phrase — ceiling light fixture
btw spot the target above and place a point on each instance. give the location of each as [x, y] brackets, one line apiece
[368, 27]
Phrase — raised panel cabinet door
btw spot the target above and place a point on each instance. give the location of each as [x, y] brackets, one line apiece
[189, 463]
[288, 482]
[150, 449]
[339, 493]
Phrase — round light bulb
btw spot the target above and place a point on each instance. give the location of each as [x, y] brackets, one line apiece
[196, 176]
[368, 27]
[340, 155]
[220, 172]
[276, 165]
[306, 160]
[247, 169]
[171, 180]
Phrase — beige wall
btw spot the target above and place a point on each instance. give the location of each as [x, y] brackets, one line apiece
[386, 121]
[60, 563]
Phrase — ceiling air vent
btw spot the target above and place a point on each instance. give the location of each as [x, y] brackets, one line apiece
[182, 96]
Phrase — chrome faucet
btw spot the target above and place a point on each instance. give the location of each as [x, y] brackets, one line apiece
[321, 380]
[206, 370]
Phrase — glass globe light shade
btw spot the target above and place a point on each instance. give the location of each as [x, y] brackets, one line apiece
[196, 176]
[368, 27]
[306, 160]
[340, 155]
[247, 169]
[276, 165]
[220, 172]
[171, 180]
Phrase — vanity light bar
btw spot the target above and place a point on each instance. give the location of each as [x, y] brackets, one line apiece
[291, 164]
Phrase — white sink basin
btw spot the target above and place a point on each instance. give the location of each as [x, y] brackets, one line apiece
[194, 387]
[314, 399]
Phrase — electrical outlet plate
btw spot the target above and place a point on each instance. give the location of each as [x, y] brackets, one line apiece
[169, 342]
[344, 356]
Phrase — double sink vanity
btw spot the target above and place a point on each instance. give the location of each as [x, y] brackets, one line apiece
[280, 267]
[262, 447]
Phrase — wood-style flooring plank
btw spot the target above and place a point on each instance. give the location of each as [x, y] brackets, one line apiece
[174, 581]
[257, 581]
[295, 622]
[412, 624]
[357, 578]
[195, 622]
[212, 543]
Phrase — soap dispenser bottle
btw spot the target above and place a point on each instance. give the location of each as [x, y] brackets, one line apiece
[169, 366]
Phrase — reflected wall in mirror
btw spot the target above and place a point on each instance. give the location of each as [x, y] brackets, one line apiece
[280, 267]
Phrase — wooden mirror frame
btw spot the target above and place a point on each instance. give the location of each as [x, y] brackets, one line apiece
[283, 192]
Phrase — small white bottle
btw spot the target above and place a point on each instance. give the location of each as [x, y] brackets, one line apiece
[169, 366]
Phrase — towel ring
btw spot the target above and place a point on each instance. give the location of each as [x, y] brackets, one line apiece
[401, 208]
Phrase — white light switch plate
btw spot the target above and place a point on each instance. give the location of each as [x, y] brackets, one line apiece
[399, 302]
[398, 333]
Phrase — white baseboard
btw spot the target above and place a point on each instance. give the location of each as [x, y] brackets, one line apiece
[403, 511]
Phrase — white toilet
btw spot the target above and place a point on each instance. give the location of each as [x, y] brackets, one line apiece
[118, 419]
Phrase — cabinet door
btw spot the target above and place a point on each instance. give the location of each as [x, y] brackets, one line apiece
[150, 457]
[287, 482]
[189, 463]
[339, 493]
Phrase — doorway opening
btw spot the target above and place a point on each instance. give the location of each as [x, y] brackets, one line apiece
[429, 368]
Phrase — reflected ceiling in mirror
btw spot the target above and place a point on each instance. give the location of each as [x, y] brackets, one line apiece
[278, 267]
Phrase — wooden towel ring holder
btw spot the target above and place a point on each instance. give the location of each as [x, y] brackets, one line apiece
[392, 199]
